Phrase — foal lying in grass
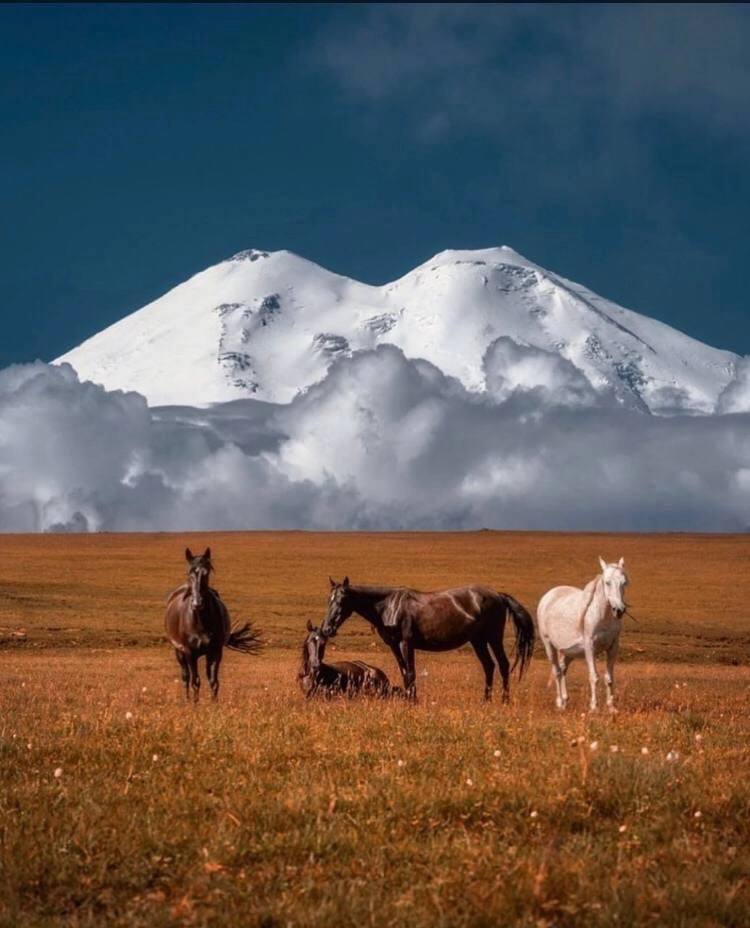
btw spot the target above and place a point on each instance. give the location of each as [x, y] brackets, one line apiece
[347, 678]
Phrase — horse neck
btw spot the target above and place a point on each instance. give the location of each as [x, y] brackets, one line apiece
[304, 669]
[369, 600]
[311, 667]
[599, 602]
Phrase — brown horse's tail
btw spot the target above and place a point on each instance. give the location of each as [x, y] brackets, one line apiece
[524, 625]
[245, 639]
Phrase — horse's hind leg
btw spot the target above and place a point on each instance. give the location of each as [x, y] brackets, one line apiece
[482, 652]
[213, 661]
[564, 662]
[562, 696]
[185, 673]
[496, 644]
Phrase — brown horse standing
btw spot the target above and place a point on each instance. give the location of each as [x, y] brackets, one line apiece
[346, 677]
[408, 620]
[197, 624]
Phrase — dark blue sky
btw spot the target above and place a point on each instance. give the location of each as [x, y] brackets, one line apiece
[141, 144]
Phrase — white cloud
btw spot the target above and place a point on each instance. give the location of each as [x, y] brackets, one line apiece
[509, 367]
[736, 395]
[382, 442]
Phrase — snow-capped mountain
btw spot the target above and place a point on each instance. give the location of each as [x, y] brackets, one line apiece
[269, 325]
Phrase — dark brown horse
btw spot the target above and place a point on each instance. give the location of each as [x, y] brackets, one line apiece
[197, 624]
[346, 678]
[408, 620]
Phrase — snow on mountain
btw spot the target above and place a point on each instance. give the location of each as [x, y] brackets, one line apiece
[269, 325]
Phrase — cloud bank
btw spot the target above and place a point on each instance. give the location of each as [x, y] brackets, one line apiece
[383, 442]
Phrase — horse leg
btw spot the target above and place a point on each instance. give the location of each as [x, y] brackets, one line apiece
[564, 662]
[496, 645]
[482, 652]
[182, 661]
[404, 652]
[195, 680]
[213, 660]
[588, 647]
[557, 671]
[609, 675]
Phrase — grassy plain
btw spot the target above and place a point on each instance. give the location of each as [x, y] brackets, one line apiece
[266, 810]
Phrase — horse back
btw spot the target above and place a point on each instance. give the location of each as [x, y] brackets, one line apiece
[445, 619]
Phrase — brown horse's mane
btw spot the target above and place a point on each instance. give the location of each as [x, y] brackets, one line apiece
[380, 590]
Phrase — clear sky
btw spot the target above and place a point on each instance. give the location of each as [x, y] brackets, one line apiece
[141, 144]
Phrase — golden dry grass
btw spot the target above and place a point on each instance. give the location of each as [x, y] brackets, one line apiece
[266, 810]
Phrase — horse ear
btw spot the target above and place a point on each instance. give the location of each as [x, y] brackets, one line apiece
[188, 555]
[309, 625]
[602, 563]
[345, 584]
[621, 563]
[332, 582]
[207, 554]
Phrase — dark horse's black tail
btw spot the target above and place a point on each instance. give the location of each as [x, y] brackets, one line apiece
[245, 639]
[524, 633]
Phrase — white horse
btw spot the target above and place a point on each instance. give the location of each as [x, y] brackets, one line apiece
[575, 622]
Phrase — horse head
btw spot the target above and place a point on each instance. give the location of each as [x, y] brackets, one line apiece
[313, 648]
[340, 607]
[615, 580]
[199, 570]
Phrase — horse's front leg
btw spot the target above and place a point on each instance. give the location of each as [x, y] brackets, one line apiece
[182, 661]
[588, 647]
[609, 676]
[195, 680]
[404, 654]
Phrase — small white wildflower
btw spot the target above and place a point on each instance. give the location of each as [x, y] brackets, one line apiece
[144, 689]
[28, 746]
[698, 814]
[699, 737]
[622, 829]
[469, 781]
[594, 746]
[497, 753]
[644, 750]
[533, 814]
[154, 757]
[672, 756]
[58, 773]
[400, 763]
[128, 715]
[613, 749]
[424, 673]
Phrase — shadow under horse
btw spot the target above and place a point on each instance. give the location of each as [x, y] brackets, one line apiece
[197, 624]
[346, 678]
[410, 621]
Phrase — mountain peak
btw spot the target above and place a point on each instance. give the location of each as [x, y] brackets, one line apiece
[269, 324]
